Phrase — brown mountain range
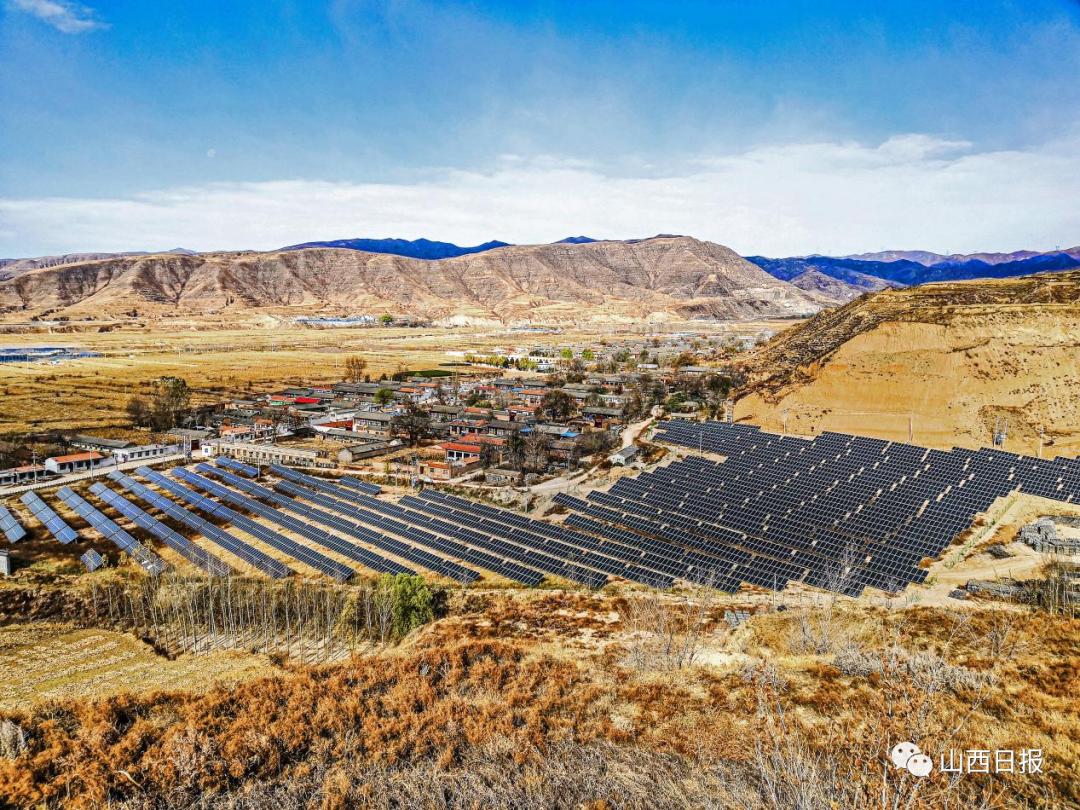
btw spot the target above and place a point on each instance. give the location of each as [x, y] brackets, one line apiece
[662, 277]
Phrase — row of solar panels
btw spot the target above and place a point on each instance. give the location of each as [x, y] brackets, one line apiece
[232, 543]
[434, 531]
[896, 502]
[61, 531]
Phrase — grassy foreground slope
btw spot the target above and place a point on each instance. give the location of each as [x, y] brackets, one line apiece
[949, 359]
[579, 700]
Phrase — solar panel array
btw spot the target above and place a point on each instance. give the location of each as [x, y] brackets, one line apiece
[363, 486]
[47, 517]
[447, 538]
[177, 542]
[249, 554]
[336, 518]
[148, 560]
[363, 555]
[237, 466]
[840, 512]
[316, 559]
[92, 560]
[311, 481]
[515, 541]
[524, 559]
[10, 526]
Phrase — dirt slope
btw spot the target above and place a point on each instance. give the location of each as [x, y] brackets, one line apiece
[669, 276]
[945, 359]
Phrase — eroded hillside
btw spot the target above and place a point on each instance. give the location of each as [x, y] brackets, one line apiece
[660, 277]
[944, 360]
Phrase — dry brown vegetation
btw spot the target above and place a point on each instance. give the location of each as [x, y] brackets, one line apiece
[795, 708]
[91, 394]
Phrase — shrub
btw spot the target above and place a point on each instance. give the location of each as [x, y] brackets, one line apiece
[410, 601]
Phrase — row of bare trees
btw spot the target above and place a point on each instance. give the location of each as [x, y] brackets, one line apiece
[308, 621]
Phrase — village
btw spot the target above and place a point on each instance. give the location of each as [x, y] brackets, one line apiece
[512, 416]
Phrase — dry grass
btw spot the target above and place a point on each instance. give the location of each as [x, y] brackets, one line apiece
[53, 662]
[525, 700]
[91, 393]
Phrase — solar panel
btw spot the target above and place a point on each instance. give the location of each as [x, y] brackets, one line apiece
[610, 558]
[177, 542]
[10, 526]
[424, 530]
[150, 562]
[838, 511]
[92, 560]
[45, 515]
[236, 466]
[363, 486]
[223, 539]
[309, 556]
[359, 553]
[346, 481]
[523, 548]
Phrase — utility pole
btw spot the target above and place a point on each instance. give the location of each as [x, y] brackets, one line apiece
[1040, 442]
[910, 430]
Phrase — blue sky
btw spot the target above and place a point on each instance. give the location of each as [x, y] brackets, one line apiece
[777, 128]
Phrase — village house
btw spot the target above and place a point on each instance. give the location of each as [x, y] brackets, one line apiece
[505, 428]
[145, 452]
[531, 396]
[84, 442]
[194, 435]
[602, 417]
[460, 427]
[466, 452]
[375, 422]
[445, 413]
[625, 456]
[22, 475]
[353, 453]
[77, 462]
[251, 453]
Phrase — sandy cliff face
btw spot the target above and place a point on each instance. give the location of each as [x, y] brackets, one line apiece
[661, 277]
[945, 360]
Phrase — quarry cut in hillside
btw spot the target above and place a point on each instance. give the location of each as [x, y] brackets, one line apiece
[663, 277]
[943, 361]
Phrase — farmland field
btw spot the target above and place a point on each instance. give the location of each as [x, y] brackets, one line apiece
[55, 661]
[90, 393]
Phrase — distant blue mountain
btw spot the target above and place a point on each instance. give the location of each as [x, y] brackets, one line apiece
[906, 272]
[415, 249]
[576, 240]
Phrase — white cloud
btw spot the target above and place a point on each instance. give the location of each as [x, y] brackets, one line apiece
[911, 191]
[69, 18]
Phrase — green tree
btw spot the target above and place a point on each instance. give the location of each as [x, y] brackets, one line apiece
[384, 396]
[411, 602]
[386, 319]
[588, 355]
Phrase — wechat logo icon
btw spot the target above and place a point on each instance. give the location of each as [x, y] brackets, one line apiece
[908, 756]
